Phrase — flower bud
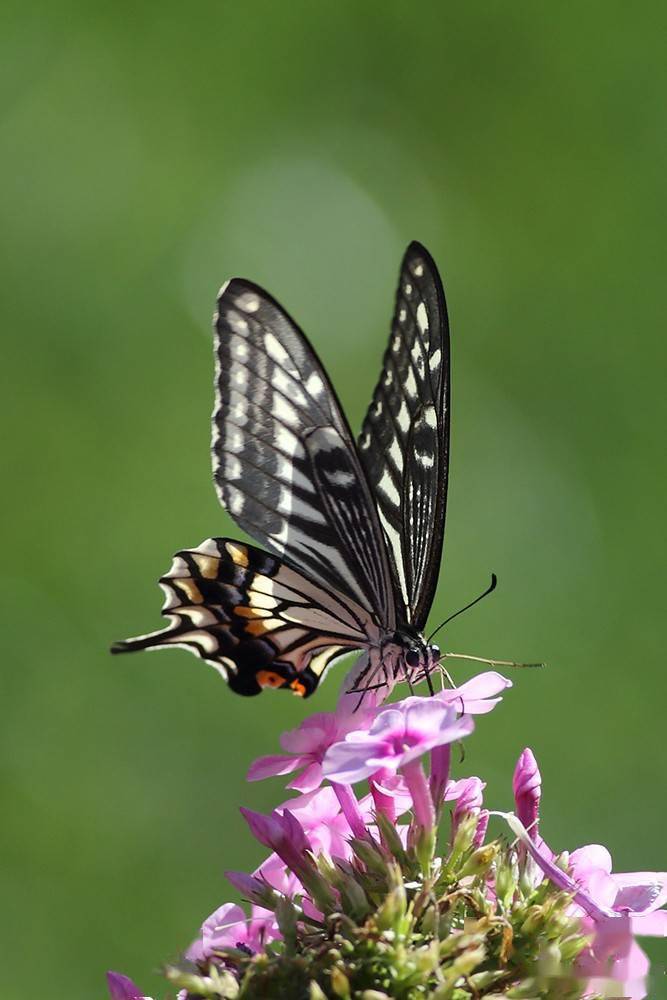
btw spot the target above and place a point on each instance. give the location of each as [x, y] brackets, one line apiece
[340, 984]
[506, 881]
[254, 889]
[390, 838]
[374, 860]
[534, 920]
[464, 834]
[353, 898]
[392, 909]
[480, 860]
[527, 788]
[286, 918]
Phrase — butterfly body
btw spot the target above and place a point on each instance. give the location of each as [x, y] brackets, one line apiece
[351, 533]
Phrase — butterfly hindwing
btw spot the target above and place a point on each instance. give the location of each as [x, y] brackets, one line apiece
[404, 442]
[258, 622]
[284, 456]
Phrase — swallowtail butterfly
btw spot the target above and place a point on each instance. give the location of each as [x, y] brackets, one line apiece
[351, 532]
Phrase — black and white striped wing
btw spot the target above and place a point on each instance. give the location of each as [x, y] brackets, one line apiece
[404, 442]
[285, 463]
[258, 622]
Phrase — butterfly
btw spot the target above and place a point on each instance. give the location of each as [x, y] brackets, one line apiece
[351, 532]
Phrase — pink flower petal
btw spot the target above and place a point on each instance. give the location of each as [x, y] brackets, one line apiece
[586, 858]
[627, 880]
[638, 898]
[650, 924]
[122, 988]
[309, 736]
[484, 685]
[274, 764]
[346, 763]
[309, 779]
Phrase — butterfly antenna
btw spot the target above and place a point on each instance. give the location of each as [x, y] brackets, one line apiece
[489, 590]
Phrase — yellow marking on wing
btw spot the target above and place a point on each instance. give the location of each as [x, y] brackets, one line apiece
[208, 566]
[262, 625]
[188, 587]
[244, 612]
[238, 553]
[319, 662]
[260, 600]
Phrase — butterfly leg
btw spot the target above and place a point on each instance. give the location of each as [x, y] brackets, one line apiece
[489, 662]
[360, 679]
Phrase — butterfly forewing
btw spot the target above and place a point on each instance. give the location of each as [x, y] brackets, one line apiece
[285, 464]
[354, 536]
[404, 442]
[258, 622]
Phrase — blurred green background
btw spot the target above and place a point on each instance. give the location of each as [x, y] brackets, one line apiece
[150, 151]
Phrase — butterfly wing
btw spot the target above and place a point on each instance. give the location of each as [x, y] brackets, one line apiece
[257, 621]
[404, 442]
[285, 463]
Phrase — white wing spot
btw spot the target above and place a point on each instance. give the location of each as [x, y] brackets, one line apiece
[422, 318]
[284, 411]
[285, 440]
[239, 349]
[240, 377]
[248, 302]
[275, 349]
[396, 342]
[402, 314]
[232, 467]
[235, 501]
[388, 377]
[386, 484]
[365, 440]
[418, 269]
[239, 411]
[178, 568]
[237, 323]
[431, 417]
[208, 548]
[281, 381]
[403, 417]
[233, 439]
[376, 408]
[407, 288]
[285, 501]
[396, 454]
[410, 383]
[315, 385]
[341, 478]
[435, 359]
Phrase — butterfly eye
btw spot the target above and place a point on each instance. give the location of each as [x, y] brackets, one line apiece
[412, 657]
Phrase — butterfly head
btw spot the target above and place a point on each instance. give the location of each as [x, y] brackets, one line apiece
[419, 657]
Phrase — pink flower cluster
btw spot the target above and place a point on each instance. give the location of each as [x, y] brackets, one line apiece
[387, 747]
[614, 908]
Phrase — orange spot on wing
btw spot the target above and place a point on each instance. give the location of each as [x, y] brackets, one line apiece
[238, 553]
[267, 678]
[208, 565]
[188, 587]
[298, 688]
